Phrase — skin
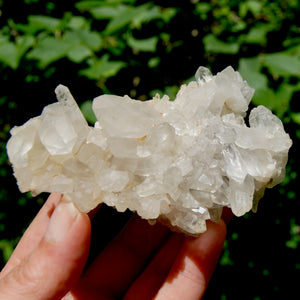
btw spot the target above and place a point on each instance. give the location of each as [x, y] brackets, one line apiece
[142, 262]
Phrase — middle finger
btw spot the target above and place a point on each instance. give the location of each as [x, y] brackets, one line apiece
[111, 274]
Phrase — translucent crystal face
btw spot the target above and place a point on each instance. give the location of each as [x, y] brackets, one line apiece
[181, 161]
[203, 75]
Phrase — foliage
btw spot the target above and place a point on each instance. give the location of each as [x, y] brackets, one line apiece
[133, 46]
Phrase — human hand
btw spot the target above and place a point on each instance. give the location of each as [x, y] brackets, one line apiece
[142, 262]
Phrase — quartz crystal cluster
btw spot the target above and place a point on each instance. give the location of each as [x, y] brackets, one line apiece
[179, 161]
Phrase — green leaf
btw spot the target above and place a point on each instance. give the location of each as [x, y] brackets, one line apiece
[87, 110]
[168, 13]
[258, 34]
[120, 20]
[225, 259]
[7, 248]
[79, 53]
[214, 45]
[77, 22]
[146, 45]
[88, 5]
[276, 101]
[294, 232]
[296, 117]
[239, 26]
[44, 22]
[290, 42]
[86, 37]
[203, 7]
[250, 68]
[282, 99]
[252, 6]
[171, 91]
[123, 15]
[75, 44]
[153, 62]
[151, 13]
[39, 23]
[127, 16]
[264, 96]
[23, 44]
[280, 64]
[107, 12]
[90, 38]
[3, 39]
[50, 50]
[293, 50]
[9, 54]
[102, 68]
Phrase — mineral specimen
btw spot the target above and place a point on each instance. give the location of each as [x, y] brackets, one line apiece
[181, 161]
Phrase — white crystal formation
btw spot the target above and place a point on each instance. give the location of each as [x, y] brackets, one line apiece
[181, 161]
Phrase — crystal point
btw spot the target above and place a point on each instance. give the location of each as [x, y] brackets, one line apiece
[203, 75]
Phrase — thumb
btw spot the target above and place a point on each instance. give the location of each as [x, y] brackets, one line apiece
[51, 269]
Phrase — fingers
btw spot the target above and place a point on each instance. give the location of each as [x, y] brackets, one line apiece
[147, 285]
[125, 261]
[191, 271]
[57, 261]
[194, 265]
[122, 261]
[33, 234]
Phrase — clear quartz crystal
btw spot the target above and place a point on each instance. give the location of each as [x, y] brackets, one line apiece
[203, 75]
[178, 161]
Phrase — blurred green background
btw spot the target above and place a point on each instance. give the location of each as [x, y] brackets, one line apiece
[139, 48]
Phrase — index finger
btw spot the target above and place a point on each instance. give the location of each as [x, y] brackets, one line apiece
[33, 234]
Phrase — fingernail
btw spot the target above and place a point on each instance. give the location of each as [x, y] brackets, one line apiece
[61, 221]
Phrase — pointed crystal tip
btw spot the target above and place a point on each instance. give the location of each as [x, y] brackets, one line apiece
[203, 75]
